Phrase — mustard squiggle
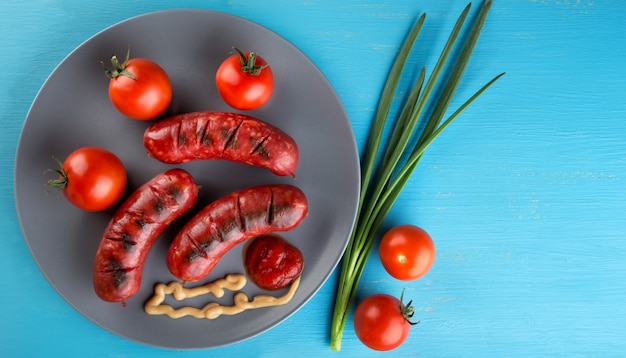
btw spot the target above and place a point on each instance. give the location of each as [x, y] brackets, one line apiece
[232, 282]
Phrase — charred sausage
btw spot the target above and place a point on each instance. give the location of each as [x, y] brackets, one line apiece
[222, 135]
[221, 225]
[134, 228]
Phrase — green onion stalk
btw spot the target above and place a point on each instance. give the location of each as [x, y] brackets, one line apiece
[385, 171]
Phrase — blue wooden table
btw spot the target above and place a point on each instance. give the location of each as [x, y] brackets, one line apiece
[524, 194]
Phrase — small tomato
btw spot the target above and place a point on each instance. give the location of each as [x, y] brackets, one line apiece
[407, 252]
[244, 81]
[382, 322]
[91, 178]
[139, 88]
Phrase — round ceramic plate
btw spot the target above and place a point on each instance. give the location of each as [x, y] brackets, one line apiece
[72, 110]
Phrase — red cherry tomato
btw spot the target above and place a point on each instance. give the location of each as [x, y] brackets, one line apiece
[245, 81]
[272, 263]
[407, 252]
[382, 322]
[139, 88]
[91, 178]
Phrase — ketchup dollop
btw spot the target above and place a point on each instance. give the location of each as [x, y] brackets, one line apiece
[271, 262]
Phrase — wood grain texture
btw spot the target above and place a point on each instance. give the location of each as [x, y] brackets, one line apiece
[524, 195]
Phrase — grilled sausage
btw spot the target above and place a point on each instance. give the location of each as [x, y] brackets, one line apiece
[222, 135]
[231, 220]
[134, 228]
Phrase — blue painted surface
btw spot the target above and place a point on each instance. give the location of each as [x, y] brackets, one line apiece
[524, 194]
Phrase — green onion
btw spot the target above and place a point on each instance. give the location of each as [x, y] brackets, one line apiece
[382, 178]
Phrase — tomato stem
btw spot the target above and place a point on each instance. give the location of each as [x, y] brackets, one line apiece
[119, 69]
[59, 183]
[407, 310]
[248, 64]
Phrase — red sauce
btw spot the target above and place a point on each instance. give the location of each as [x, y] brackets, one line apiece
[271, 262]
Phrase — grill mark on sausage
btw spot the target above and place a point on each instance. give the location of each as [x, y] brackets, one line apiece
[193, 254]
[119, 277]
[139, 217]
[231, 141]
[201, 248]
[174, 192]
[264, 153]
[198, 251]
[158, 205]
[260, 148]
[228, 225]
[216, 234]
[241, 216]
[181, 139]
[205, 138]
[281, 213]
[203, 245]
[140, 222]
[270, 210]
[125, 239]
[118, 273]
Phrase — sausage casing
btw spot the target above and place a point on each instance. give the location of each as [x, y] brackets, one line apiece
[222, 135]
[228, 221]
[134, 228]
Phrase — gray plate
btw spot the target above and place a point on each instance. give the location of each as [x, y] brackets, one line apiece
[72, 110]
